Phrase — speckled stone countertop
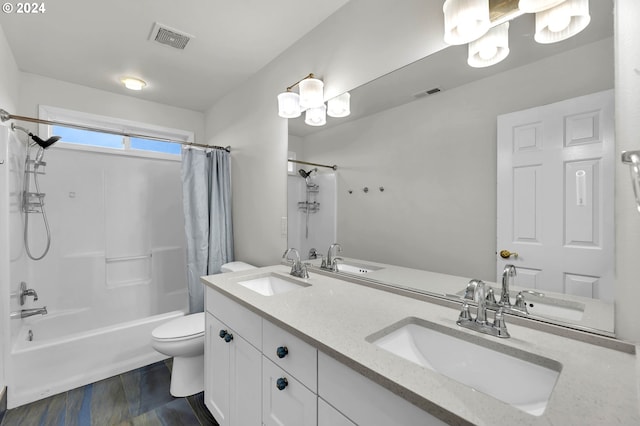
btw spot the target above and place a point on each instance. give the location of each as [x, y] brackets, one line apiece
[596, 386]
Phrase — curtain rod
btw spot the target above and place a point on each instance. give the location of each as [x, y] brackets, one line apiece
[334, 167]
[4, 116]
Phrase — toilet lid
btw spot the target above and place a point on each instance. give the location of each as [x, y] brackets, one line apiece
[188, 325]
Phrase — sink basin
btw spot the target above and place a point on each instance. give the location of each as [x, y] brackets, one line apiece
[269, 285]
[522, 380]
[356, 268]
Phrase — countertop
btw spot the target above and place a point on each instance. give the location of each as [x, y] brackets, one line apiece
[596, 386]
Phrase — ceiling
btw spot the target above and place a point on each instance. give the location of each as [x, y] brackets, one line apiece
[95, 43]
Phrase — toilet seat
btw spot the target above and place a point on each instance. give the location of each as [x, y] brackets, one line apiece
[187, 327]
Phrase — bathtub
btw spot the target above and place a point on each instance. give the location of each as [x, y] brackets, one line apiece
[62, 356]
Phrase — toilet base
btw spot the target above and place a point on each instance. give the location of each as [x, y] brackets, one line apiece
[187, 375]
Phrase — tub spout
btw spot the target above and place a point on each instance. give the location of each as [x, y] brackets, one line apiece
[24, 313]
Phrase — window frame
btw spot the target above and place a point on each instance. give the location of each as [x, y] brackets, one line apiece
[63, 115]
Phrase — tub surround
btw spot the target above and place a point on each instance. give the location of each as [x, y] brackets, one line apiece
[597, 385]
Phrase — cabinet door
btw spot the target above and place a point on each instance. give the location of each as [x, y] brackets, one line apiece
[285, 403]
[217, 375]
[246, 383]
[329, 416]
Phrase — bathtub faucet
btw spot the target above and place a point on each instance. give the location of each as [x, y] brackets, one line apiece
[24, 292]
[24, 313]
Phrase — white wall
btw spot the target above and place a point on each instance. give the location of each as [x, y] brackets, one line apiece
[38, 90]
[340, 51]
[627, 219]
[436, 159]
[9, 91]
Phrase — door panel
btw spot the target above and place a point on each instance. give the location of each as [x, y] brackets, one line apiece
[555, 195]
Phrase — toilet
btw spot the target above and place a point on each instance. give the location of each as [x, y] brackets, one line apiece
[183, 339]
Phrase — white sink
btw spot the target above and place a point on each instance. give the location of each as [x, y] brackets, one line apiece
[356, 268]
[516, 377]
[268, 285]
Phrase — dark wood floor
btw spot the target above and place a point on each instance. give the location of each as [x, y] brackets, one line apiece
[139, 397]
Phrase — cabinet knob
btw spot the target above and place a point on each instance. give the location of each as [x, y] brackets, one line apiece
[222, 333]
[281, 383]
[228, 337]
[282, 351]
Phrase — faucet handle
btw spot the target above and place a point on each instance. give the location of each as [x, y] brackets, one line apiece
[491, 297]
[500, 325]
[465, 314]
[521, 304]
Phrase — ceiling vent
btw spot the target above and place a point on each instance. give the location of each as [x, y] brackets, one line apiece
[169, 36]
[427, 92]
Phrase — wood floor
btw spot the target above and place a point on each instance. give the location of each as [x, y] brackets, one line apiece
[138, 398]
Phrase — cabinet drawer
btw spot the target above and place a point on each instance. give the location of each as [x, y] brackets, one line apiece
[298, 359]
[364, 401]
[290, 405]
[244, 322]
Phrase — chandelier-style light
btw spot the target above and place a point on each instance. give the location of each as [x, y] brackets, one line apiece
[316, 116]
[562, 21]
[467, 21]
[491, 48]
[289, 105]
[311, 102]
[340, 106]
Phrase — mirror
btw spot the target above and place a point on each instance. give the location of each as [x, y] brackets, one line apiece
[436, 158]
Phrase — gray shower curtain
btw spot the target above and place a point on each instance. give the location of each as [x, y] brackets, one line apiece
[206, 187]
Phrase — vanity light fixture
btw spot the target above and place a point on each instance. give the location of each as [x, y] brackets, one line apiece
[310, 100]
[491, 48]
[556, 20]
[133, 83]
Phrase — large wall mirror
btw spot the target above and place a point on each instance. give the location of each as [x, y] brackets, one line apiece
[435, 157]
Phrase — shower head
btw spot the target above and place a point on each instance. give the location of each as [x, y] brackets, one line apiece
[306, 174]
[36, 139]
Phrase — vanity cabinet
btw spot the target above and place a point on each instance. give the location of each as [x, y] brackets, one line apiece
[233, 362]
[256, 373]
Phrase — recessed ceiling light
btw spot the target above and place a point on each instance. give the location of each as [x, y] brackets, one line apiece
[133, 83]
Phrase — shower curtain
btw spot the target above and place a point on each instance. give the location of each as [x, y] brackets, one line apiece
[206, 186]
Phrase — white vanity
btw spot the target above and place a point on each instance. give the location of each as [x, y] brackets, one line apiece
[282, 350]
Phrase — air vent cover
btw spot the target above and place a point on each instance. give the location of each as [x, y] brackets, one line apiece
[169, 36]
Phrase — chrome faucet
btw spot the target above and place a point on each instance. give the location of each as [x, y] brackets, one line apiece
[509, 271]
[330, 263]
[24, 292]
[24, 313]
[480, 324]
[298, 269]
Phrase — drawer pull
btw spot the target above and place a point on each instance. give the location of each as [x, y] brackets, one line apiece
[282, 351]
[222, 333]
[281, 383]
[228, 337]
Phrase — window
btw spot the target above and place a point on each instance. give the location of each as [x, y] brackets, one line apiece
[112, 143]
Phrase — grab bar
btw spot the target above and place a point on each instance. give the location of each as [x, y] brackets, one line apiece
[125, 258]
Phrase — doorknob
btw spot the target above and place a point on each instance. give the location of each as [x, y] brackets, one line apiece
[505, 254]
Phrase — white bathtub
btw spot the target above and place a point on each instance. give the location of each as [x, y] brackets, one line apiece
[61, 356]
